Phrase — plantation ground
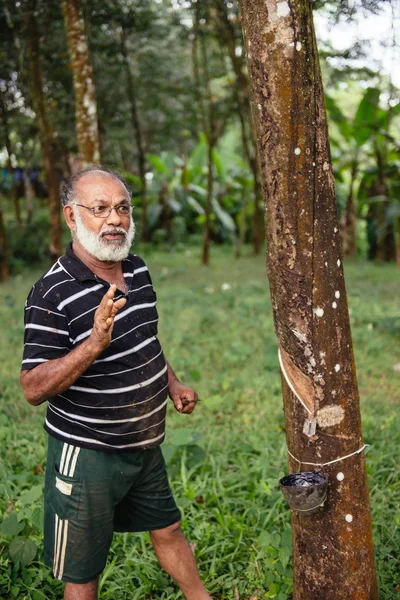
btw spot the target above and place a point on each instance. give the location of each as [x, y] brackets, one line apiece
[225, 460]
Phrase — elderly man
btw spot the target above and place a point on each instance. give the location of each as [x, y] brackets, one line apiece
[91, 350]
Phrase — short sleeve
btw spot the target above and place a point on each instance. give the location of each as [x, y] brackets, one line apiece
[46, 332]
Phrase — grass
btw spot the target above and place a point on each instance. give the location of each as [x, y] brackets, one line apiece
[224, 460]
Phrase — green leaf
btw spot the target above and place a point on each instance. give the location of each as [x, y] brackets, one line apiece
[30, 496]
[284, 555]
[224, 217]
[214, 401]
[273, 590]
[338, 117]
[287, 539]
[198, 157]
[37, 518]
[264, 539]
[182, 437]
[195, 454]
[11, 525]
[218, 164]
[195, 374]
[175, 205]
[158, 164]
[168, 452]
[198, 189]
[22, 551]
[365, 119]
[195, 205]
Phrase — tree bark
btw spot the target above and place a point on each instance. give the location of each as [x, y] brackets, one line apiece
[398, 243]
[84, 86]
[226, 34]
[205, 257]
[48, 143]
[131, 93]
[348, 229]
[386, 244]
[7, 141]
[333, 549]
[4, 270]
[28, 197]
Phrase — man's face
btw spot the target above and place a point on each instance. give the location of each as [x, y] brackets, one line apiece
[108, 238]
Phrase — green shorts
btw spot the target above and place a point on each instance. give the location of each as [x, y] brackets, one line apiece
[90, 494]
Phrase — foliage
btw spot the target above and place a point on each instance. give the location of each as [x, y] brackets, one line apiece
[224, 460]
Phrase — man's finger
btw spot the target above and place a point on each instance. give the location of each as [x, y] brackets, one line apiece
[108, 309]
[109, 295]
[178, 405]
[118, 304]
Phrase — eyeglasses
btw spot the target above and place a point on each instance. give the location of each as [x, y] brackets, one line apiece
[102, 212]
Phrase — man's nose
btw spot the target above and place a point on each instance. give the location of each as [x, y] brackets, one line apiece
[114, 218]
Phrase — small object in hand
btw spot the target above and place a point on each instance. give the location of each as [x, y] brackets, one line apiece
[186, 402]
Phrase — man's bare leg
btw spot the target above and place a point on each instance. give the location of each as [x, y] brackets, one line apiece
[176, 557]
[81, 591]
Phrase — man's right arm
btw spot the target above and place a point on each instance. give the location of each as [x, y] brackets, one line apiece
[55, 376]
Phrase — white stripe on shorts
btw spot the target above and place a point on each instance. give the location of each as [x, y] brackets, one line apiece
[69, 457]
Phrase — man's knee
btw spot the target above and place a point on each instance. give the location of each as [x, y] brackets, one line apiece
[160, 535]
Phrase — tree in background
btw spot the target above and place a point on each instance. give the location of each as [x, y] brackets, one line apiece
[4, 268]
[214, 111]
[230, 38]
[49, 145]
[7, 143]
[333, 549]
[147, 105]
[84, 85]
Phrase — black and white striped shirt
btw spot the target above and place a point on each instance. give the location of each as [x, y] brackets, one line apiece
[120, 401]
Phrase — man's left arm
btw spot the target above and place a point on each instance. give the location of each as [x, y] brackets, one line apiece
[183, 397]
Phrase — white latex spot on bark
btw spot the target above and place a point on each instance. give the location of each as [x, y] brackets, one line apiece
[297, 151]
[298, 45]
[330, 415]
[319, 311]
[283, 9]
[337, 294]
[349, 518]
[337, 368]
[338, 263]
[340, 476]
[334, 305]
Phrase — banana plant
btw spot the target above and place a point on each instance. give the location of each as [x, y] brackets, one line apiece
[366, 139]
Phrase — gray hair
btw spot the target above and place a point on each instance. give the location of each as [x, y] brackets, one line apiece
[68, 188]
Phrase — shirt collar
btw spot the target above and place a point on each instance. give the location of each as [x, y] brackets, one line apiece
[81, 272]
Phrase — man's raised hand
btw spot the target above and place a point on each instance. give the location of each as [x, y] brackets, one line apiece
[104, 319]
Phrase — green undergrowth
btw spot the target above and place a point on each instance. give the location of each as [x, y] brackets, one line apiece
[226, 459]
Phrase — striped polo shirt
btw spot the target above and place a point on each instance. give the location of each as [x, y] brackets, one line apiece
[120, 401]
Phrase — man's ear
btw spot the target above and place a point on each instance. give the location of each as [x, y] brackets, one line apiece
[70, 217]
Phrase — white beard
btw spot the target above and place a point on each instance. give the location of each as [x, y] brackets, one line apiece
[114, 251]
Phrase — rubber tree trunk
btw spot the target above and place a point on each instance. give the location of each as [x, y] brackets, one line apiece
[398, 243]
[49, 147]
[84, 86]
[333, 549]
[348, 229]
[28, 197]
[131, 94]
[7, 142]
[386, 243]
[205, 257]
[4, 270]
[228, 41]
